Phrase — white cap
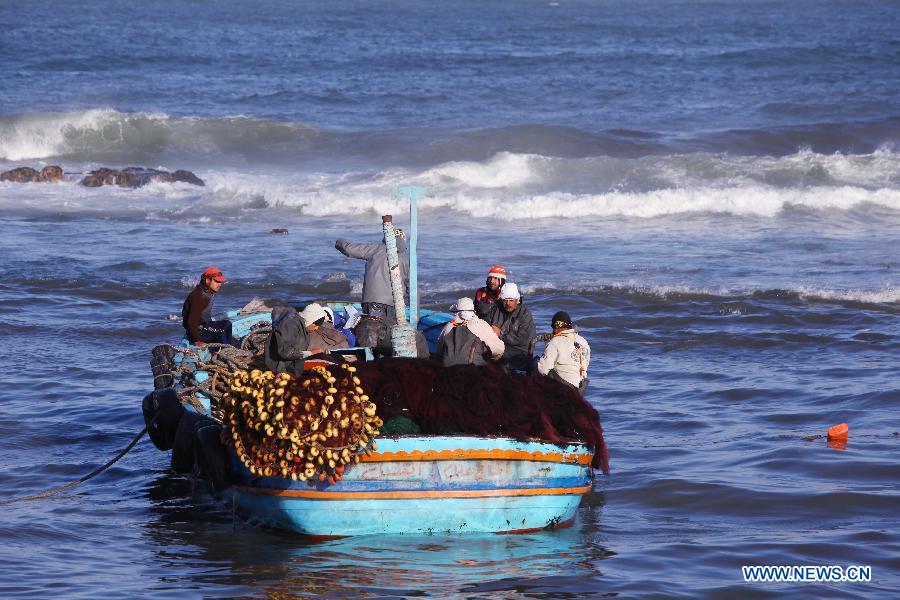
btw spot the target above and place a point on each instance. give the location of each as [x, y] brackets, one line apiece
[312, 313]
[510, 291]
[463, 304]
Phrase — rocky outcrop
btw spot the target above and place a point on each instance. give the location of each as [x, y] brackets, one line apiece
[131, 177]
[136, 177]
[29, 175]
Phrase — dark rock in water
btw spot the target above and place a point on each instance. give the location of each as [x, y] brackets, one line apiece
[278, 230]
[187, 177]
[28, 175]
[51, 173]
[128, 177]
[136, 177]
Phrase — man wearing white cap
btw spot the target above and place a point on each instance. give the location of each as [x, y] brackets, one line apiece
[288, 343]
[468, 340]
[514, 325]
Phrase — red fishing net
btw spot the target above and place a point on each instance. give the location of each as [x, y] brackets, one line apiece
[475, 400]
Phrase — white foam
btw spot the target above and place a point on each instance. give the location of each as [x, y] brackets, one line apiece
[510, 187]
[882, 296]
[46, 135]
[886, 295]
[505, 169]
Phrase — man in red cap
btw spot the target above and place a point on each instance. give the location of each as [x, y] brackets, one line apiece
[196, 314]
[487, 298]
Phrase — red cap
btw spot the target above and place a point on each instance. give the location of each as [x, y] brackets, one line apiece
[215, 273]
[498, 271]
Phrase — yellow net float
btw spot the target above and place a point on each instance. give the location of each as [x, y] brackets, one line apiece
[306, 428]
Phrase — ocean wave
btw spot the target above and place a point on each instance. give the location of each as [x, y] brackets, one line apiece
[105, 134]
[473, 190]
[731, 300]
[110, 135]
[504, 186]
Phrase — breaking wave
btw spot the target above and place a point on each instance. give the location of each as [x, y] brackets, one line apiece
[110, 135]
[105, 134]
[515, 186]
[255, 164]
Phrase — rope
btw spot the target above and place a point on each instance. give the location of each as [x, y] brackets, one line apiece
[227, 359]
[224, 359]
[90, 475]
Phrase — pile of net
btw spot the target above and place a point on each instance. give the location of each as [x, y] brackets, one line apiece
[302, 428]
[482, 400]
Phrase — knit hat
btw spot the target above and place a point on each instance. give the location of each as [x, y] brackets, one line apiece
[510, 291]
[463, 304]
[498, 271]
[312, 313]
[561, 320]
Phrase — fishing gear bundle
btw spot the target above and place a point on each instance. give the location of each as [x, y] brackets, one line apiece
[302, 428]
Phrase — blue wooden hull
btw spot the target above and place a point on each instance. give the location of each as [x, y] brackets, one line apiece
[421, 484]
[426, 484]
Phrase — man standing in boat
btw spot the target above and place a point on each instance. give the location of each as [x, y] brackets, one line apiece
[377, 298]
[514, 325]
[196, 313]
[467, 339]
[567, 355]
[487, 298]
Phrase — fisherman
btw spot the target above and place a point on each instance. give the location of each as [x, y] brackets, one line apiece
[514, 325]
[467, 339]
[567, 355]
[377, 296]
[196, 313]
[487, 298]
[327, 335]
[289, 342]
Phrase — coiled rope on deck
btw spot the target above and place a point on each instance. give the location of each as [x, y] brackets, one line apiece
[219, 361]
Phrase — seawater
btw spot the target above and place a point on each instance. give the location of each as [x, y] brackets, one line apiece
[710, 188]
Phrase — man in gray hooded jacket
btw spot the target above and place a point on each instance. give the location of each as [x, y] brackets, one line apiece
[288, 343]
[377, 298]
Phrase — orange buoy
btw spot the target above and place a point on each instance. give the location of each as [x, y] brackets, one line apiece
[838, 433]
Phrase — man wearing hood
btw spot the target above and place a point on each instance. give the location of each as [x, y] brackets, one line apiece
[327, 335]
[467, 339]
[514, 325]
[289, 342]
[377, 297]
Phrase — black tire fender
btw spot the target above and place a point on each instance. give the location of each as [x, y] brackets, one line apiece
[212, 457]
[165, 403]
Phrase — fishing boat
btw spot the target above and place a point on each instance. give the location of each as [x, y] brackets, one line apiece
[410, 484]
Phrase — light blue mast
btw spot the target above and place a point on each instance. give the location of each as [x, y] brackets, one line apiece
[413, 193]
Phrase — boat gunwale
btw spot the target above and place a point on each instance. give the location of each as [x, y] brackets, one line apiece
[412, 494]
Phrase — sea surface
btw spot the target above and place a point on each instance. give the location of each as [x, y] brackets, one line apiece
[710, 188]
